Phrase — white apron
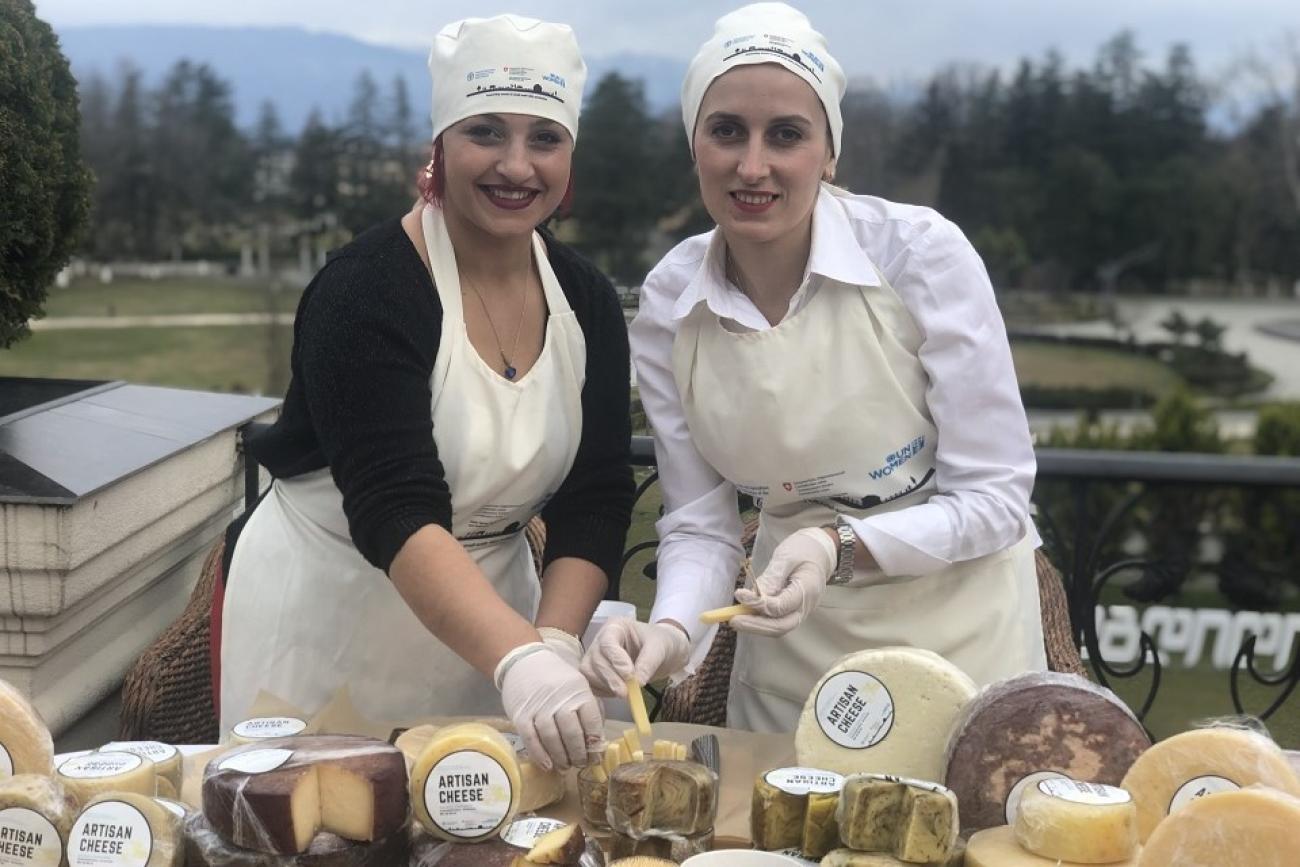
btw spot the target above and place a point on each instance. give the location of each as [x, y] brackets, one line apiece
[305, 614]
[825, 413]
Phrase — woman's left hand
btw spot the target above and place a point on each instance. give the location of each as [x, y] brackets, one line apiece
[791, 585]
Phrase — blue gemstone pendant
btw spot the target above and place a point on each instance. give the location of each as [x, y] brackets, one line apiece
[510, 372]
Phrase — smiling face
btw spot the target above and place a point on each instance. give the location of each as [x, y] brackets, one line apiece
[506, 173]
[762, 147]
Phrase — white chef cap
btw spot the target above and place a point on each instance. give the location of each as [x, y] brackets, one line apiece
[506, 65]
[766, 33]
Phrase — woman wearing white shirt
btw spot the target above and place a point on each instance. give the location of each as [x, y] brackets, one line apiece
[841, 359]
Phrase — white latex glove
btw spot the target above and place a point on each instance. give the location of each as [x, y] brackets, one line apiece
[626, 649]
[551, 706]
[791, 585]
[563, 643]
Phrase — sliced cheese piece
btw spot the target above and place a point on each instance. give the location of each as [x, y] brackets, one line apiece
[997, 847]
[84, 777]
[636, 701]
[887, 711]
[780, 804]
[563, 845]
[675, 849]
[165, 757]
[1190, 765]
[1033, 727]
[204, 847]
[1090, 823]
[466, 783]
[125, 829]
[821, 831]
[274, 796]
[25, 743]
[264, 728]
[853, 858]
[34, 821]
[911, 819]
[1248, 828]
[651, 799]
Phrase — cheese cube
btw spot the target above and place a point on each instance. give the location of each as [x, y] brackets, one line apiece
[914, 820]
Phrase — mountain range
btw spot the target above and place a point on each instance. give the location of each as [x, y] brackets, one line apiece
[299, 70]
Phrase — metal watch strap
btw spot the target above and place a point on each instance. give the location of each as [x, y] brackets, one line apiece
[844, 562]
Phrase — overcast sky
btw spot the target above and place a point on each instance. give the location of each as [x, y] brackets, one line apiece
[887, 41]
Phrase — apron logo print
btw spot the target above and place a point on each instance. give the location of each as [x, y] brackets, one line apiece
[894, 460]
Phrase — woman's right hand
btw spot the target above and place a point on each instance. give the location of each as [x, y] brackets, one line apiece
[625, 649]
[551, 705]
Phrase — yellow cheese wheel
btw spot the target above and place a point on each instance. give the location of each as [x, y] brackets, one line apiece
[997, 847]
[124, 828]
[1246, 828]
[466, 784]
[85, 776]
[1075, 821]
[25, 743]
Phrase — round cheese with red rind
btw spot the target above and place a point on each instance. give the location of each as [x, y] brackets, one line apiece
[204, 847]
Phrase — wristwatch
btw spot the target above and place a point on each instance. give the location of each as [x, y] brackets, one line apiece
[844, 561]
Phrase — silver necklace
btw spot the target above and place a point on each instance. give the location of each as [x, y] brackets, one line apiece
[510, 371]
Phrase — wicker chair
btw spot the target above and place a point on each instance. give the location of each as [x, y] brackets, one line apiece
[167, 694]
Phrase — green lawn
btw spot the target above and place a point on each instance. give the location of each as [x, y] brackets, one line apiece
[1048, 365]
[135, 297]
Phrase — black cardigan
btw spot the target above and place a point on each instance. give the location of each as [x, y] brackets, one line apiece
[364, 342]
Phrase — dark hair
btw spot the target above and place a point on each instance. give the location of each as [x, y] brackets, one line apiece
[432, 182]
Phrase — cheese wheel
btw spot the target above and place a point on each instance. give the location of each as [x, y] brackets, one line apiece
[125, 830]
[1187, 766]
[1089, 823]
[34, 821]
[662, 798]
[25, 743]
[204, 847]
[83, 777]
[853, 858]
[539, 787]
[883, 711]
[779, 807]
[262, 728]
[465, 784]
[1032, 727]
[997, 847]
[913, 820]
[274, 796]
[1246, 828]
[165, 757]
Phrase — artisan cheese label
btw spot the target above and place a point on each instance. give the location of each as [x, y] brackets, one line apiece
[1012, 805]
[801, 781]
[256, 761]
[154, 750]
[6, 763]
[97, 765]
[110, 833]
[796, 855]
[855, 710]
[468, 794]
[27, 839]
[1091, 794]
[525, 832]
[1199, 787]
[269, 727]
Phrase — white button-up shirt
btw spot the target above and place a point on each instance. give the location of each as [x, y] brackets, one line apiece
[985, 459]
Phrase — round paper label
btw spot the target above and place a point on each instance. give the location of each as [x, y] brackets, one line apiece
[176, 808]
[6, 763]
[256, 761]
[27, 839]
[1092, 794]
[1011, 807]
[110, 833]
[156, 751]
[269, 727]
[1199, 787]
[801, 781]
[855, 710]
[94, 766]
[525, 832]
[468, 794]
[796, 855]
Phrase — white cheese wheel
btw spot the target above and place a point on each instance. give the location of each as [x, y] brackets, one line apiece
[25, 743]
[165, 757]
[883, 711]
[1086, 822]
[997, 847]
[84, 777]
[126, 830]
[1246, 828]
[1187, 766]
[34, 821]
[465, 784]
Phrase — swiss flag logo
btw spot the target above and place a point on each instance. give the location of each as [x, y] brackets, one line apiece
[787, 486]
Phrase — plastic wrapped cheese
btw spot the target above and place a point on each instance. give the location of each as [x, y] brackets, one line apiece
[85, 776]
[34, 821]
[913, 820]
[1033, 727]
[1090, 823]
[997, 847]
[821, 830]
[274, 796]
[779, 806]
[25, 743]
[124, 829]
[465, 784]
[662, 798]
[204, 847]
[853, 858]
[166, 760]
[509, 850]
[1196, 763]
[1247, 828]
[676, 848]
[885, 711]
